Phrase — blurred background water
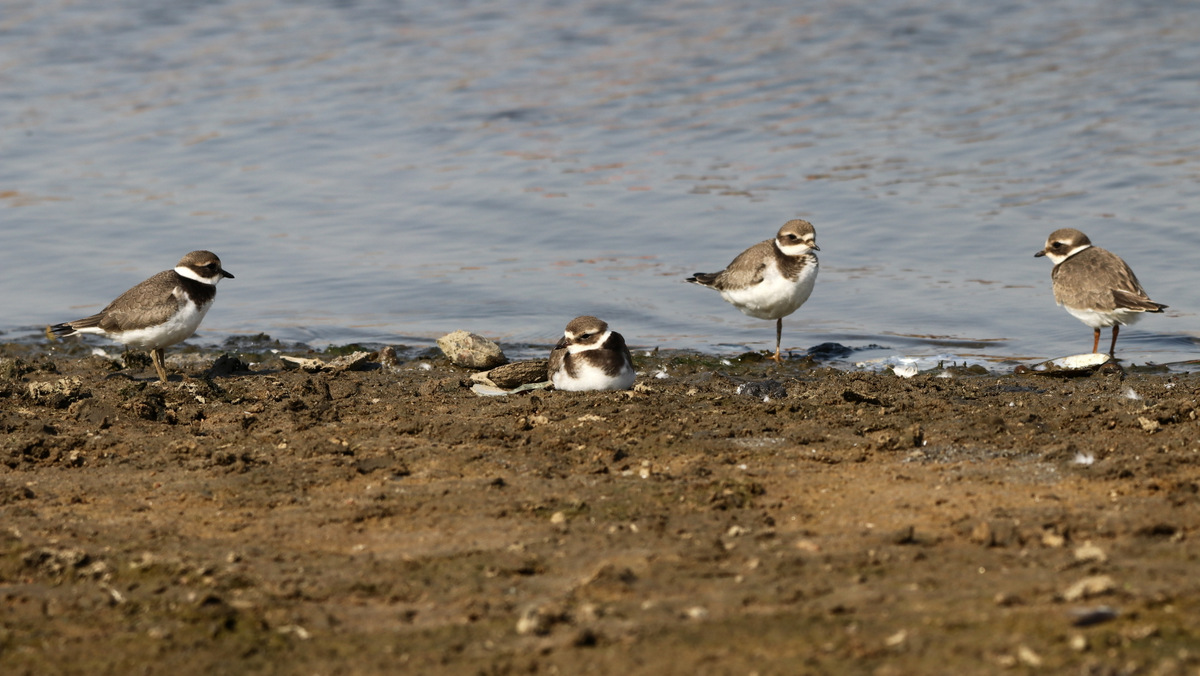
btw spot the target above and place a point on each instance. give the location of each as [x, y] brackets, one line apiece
[387, 172]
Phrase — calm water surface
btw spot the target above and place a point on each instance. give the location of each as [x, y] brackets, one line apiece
[390, 171]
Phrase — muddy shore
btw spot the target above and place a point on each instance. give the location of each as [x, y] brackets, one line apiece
[731, 517]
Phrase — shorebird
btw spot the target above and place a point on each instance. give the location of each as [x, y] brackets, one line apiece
[161, 311]
[1095, 285]
[590, 356]
[771, 279]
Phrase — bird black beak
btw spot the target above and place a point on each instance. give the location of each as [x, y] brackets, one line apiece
[1040, 254]
[226, 273]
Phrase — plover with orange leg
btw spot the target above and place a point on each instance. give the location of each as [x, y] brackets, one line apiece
[1095, 285]
[771, 279]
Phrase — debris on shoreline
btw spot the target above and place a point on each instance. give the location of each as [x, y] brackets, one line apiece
[518, 376]
[471, 350]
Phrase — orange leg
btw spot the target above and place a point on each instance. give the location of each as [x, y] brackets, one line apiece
[1096, 341]
[1112, 349]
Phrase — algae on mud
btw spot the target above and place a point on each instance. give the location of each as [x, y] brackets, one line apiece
[733, 516]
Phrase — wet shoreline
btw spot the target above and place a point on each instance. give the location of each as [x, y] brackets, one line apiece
[731, 516]
[263, 351]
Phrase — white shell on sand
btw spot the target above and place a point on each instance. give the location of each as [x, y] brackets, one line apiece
[1076, 363]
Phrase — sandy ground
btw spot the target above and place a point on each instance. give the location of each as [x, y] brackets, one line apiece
[729, 518]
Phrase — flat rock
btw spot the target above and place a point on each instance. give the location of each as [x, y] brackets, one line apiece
[516, 374]
[359, 361]
[306, 364]
[471, 350]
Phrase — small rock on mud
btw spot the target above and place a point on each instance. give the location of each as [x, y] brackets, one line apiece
[471, 350]
[358, 361]
[515, 374]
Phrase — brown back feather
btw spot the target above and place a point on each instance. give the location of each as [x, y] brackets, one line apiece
[1098, 279]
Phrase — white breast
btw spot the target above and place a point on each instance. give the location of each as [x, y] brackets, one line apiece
[175, 330]
[592, 378]
[776, 296]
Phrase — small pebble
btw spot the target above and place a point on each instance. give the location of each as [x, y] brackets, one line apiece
[388, 357]
[1028, 657]
[1088, 587]
[897, 639]
[1086, 617]
[1088, 552]
[1052, 539]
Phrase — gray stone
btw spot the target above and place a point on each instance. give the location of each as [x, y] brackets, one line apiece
[471, 351]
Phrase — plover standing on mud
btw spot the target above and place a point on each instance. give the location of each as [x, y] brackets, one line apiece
[771, 279]
[161, 311]
[1095, 285]
[590, 356]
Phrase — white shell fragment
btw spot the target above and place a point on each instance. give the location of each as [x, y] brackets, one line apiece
[1076, 364]
[486, 390]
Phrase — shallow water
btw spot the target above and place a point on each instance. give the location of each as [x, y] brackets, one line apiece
[388, 173]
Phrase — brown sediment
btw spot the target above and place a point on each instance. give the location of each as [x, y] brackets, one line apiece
[729, 518]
